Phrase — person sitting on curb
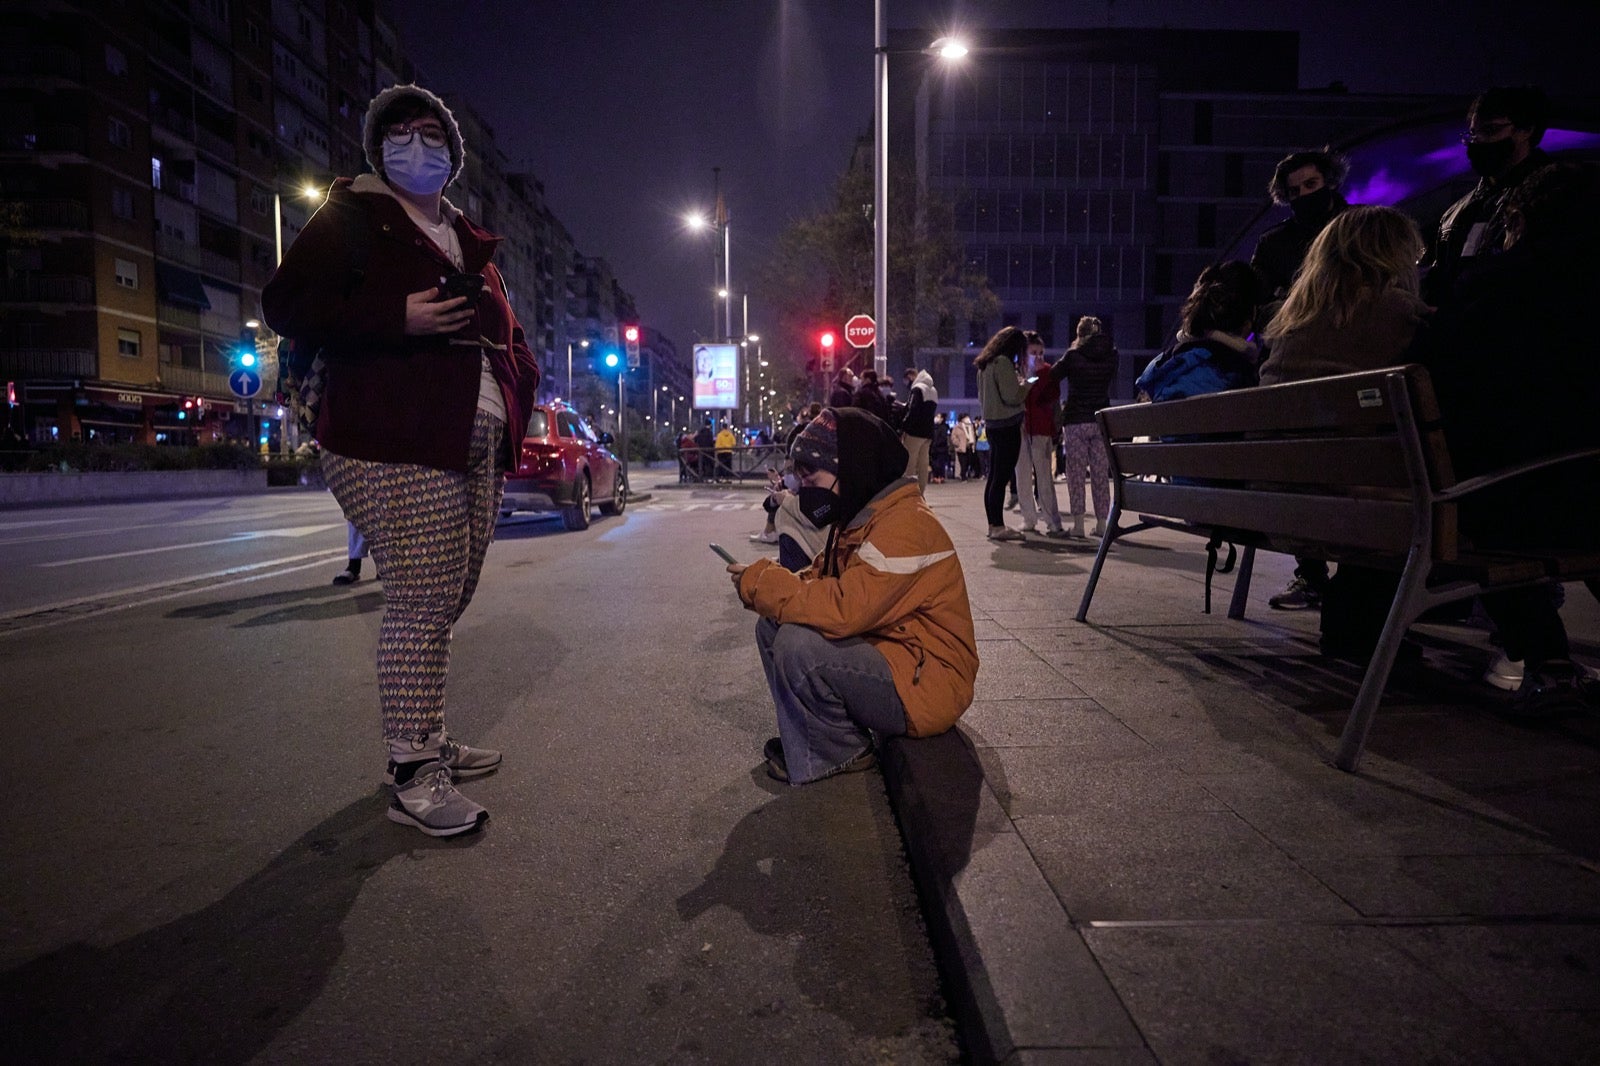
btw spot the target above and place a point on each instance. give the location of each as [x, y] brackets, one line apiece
[876, 636]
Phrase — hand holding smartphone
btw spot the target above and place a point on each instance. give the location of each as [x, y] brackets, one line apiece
[457, 285]
[727, 556]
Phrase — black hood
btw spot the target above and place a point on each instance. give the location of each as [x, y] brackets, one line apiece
[871, 458]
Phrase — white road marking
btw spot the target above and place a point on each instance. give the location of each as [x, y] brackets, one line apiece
[327, 553]
[108, 531]
[237, 538]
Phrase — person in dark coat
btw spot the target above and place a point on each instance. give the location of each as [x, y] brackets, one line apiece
[843, 393]
[425, 402]
[1535, 300]
[870, 398]
[1308, 184]
[705, 442]
[1091, 365]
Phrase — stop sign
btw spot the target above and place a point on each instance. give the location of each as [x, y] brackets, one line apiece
[861, 331]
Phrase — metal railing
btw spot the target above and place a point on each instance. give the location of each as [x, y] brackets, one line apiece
[188, 379]
[50, 288]
[743, 463]
[55, 214]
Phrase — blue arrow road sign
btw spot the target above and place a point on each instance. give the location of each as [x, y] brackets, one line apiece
[244, 383]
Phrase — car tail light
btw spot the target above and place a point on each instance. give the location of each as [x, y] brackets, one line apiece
[539, 458]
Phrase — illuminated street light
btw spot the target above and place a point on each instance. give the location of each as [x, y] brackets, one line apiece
[948, 48]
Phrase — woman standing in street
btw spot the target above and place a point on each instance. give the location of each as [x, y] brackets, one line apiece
[1001, 393]
[421, 392]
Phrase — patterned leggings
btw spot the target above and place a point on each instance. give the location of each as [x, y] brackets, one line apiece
[1087, 448]
[428, 530]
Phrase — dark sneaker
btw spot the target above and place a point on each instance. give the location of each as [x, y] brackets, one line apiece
[1556, 689]
[347, 577]
[462, 761]
[1299, 596]
[430, 802]
[778, 770]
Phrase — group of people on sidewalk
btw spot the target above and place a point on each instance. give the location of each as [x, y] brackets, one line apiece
[865, 630]
[1496, 306]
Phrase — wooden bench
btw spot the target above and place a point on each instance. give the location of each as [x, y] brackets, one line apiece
[1351, 468]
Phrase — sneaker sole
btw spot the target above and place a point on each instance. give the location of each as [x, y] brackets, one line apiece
[455, 775]
[403, 817]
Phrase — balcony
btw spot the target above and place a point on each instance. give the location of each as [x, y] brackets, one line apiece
[50, 288]
[183, 318]
[218, 265]
[178, 251]
[23, 363]
[55, 214]
[25, 61]
[221, 147]
[188, 379]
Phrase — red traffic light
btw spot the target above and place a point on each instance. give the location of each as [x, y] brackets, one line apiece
[631, 334]
[828, 339]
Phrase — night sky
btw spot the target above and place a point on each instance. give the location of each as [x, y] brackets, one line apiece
[622, 107]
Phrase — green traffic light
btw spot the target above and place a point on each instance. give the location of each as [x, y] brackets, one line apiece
[612, 360]
[247, 359]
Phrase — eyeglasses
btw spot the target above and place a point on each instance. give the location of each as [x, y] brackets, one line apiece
[400, 136]
[1484, 133]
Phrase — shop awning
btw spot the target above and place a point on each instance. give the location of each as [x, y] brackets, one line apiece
[180, 287]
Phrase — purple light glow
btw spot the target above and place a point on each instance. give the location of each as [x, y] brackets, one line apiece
[1399, 167]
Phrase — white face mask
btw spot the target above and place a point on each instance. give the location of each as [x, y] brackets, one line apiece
[415, 167]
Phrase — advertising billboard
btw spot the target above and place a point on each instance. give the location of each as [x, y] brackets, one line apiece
[716, 376]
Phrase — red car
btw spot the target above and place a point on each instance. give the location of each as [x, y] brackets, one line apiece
[564, 466]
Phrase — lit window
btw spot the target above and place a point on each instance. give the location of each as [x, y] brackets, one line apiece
[155, 172]
[127, 273]
[128, 343]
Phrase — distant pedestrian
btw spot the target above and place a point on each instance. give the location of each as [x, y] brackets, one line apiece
[869, 396]
[726, 441]
[939, 450]
[844, 389]
[705, 442]
[876, 637]
[1036, 490]
[357, 551]
[420, 390]
[1091, 365]
[1001, 392]
[916, 432]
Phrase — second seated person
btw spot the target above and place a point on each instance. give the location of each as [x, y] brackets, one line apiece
[876, 636]
[413, 424]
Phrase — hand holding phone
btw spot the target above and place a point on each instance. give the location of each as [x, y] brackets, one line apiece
[727, 556]
[457, 285]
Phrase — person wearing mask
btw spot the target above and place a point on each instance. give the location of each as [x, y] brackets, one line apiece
[1308, 184]
[1041, 405]
[916, 433]
[869, 396]
[1504, 128]
[1534, 304]
[939, 450]
[1213, 352]
[843, 393]
[420, 392]
[876, 636]
[1354, 306]
[1091, 364]
[1000, 395]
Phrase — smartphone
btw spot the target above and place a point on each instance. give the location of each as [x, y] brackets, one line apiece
[468, 285]
[726, 555]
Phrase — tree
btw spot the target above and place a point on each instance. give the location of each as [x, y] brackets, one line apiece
[820, 272]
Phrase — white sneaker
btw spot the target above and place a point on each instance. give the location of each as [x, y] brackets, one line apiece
[430, 802]
[764, 537]
[1504, 674]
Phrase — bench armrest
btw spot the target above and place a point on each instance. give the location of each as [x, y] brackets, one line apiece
[1483, 481]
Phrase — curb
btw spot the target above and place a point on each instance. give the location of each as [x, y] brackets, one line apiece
[1019, 977]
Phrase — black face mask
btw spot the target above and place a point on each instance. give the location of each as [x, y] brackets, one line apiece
[1490, 158]
[819, 505]
[1313, 206]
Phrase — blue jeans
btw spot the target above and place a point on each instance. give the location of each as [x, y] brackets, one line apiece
[828, 694]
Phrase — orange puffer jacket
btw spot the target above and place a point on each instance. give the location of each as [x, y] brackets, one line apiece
[901, 587]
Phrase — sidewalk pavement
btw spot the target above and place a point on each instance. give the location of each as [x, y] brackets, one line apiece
[1135, 848]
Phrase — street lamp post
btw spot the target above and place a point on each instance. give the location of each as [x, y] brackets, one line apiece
[946, 48]
[581, 344]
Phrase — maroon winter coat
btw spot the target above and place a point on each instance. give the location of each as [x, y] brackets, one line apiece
[393, 398]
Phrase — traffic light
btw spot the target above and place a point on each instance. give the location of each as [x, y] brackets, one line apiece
[244, 353]
[607, 362]
[827, 340]
[630, 337]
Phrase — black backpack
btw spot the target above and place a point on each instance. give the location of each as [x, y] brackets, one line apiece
[302, 366]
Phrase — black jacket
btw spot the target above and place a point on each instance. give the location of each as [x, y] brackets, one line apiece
[1091, 368]
[1485, 204]
[870, 398]
[841, 396]
[1282, 249]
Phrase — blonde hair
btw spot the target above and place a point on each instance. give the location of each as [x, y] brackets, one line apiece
[1361, 252]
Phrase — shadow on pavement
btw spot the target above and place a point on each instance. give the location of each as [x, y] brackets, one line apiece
[217, 985]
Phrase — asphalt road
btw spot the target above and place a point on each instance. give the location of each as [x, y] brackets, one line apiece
[198, 867]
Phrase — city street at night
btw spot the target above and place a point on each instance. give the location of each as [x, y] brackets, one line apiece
[1133, 846]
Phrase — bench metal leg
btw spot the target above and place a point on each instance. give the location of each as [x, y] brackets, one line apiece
[1241, 584]
[1109, 535]
[1408, 604]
